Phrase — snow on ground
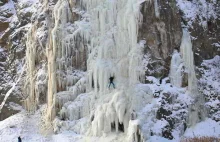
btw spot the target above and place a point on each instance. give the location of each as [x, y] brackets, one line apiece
[27, 127]
[207, 128]
[22, 125]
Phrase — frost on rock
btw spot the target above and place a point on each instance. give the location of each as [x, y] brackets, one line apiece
[209, 86]
[201, 11]
[12, 88]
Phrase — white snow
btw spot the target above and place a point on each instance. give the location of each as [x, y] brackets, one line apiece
[28, 128]
[200, 10]
[8, 7]
[22, 125]
[207, 128]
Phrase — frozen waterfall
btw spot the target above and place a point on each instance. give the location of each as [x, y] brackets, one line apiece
[188, 58]
[176, 69]
[114, 51]
[197, 111]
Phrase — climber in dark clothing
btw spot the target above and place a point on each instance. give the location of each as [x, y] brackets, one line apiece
[111, 82]
[19, 139]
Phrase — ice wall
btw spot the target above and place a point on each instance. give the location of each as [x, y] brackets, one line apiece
[188, 58]
[114, 49]
[66, 53]
[197, 112]
[176, 71]
[71, 94]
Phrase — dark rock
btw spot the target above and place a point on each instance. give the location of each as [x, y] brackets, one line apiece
[161, 113]
[3, 2]
[167, 133]
[204, 42]
[185, 80]
[162, 35]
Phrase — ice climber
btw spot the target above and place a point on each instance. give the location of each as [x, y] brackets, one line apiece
[19, 139]
[111, 82]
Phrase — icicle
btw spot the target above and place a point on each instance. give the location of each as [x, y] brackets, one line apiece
[156, 8]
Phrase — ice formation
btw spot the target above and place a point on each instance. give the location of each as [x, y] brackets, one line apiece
[156, 8]
[114, 51]
[114, 48]
[32, 100]
[72, 93]
[176, 69]
[66, 53]
[197, 111]
[107, 36]
[188, 58]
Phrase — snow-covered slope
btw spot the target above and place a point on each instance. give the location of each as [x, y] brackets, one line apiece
[28, 128]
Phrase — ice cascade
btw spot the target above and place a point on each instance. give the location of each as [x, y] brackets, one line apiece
[176, 69]
[31, 101]
[197, 111]
[113, 51]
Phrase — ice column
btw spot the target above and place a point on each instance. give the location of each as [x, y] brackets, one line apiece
[188, 58]
[32, 100]
[176, 69]
[197, 110]
[51, 54]
[156, 8]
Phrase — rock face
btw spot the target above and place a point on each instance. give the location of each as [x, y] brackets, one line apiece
[162, 31]
[12, 50]
[204, 28]
[206, 41]
[5, 15]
